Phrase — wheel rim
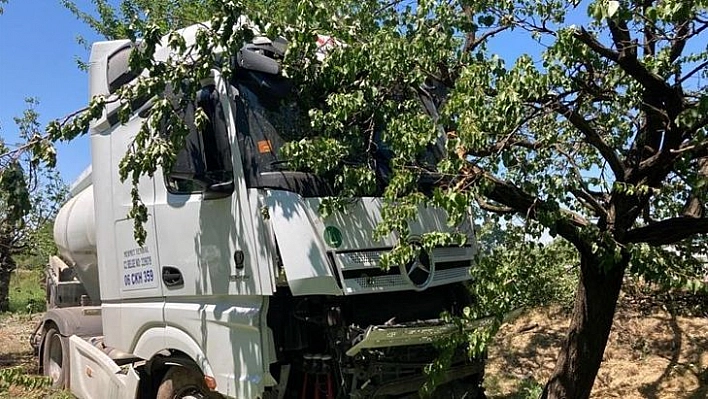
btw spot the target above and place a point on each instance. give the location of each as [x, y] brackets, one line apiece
[54, 362]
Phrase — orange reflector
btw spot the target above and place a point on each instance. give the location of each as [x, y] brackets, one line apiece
[264, 146]
[210, 382]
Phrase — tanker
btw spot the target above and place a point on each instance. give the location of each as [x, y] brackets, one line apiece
[242, 288]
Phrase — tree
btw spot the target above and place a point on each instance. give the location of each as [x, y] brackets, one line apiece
[131, 17]
[598, 137]
[30, 195]
[601, 140]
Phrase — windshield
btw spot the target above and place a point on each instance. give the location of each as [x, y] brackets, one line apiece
[267, 117]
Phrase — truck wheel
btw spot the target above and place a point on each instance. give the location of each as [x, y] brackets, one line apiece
[55, 358]
[184, 383]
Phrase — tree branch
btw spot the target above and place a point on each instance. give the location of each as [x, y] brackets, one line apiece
[494, 208]
[695, 207]
[668, 231]
[694, 70]
[679, 41]
[701, 29]
[591, 202]
[699, 150]
[593, 138]
[627, 60]
[389, 5]
[472, 42]
[589, 40]
[499, 146]
[649, 31]
[506, 193]
[621, 38]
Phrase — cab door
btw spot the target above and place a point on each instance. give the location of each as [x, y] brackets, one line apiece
[202, 211]
[207, 250]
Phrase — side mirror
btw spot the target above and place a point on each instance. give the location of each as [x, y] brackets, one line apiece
[118, 72]
[255, 57]
[219, 190]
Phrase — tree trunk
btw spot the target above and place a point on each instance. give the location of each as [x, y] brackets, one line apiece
[7, 266]
[581, 354]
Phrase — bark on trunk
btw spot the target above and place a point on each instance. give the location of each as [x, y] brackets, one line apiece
[593, 312]
[7, 266]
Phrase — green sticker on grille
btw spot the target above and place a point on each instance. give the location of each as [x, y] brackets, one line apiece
[333, 237]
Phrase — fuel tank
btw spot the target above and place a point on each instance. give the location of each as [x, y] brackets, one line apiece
[75, 235]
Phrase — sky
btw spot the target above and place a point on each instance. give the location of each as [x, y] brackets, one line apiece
[38, 48]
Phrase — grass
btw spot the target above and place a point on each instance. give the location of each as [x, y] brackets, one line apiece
[27, 293]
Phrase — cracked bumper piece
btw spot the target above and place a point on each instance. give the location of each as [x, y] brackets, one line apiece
[416, 333]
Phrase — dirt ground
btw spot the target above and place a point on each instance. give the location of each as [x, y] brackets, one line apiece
[15, 351]
[651, 354]
[14, 340]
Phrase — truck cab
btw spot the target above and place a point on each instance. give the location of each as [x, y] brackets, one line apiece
[242, 287]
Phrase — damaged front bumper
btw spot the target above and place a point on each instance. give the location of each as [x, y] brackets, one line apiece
[413, 333]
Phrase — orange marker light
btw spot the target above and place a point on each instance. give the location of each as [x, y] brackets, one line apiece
[264, 146]
[210, 382]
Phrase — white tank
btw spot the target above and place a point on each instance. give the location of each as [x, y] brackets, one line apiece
[75, 236]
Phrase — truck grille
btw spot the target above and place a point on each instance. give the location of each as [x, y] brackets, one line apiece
[360, 272]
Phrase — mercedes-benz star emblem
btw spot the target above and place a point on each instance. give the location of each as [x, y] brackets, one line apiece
[419, 271]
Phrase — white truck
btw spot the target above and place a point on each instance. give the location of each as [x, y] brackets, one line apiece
[242, 289]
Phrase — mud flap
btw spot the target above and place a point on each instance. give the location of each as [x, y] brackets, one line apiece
[95, 375]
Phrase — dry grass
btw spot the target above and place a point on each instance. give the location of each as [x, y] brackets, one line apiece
[652, 354]
[15, 349]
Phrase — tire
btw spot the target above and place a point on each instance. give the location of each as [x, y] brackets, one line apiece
[184, 383]
[55, 358]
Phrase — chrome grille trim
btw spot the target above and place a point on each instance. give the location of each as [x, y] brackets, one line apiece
[351, 261]
[359, 260]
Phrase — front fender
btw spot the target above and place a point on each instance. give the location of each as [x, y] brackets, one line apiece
[157, 340]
